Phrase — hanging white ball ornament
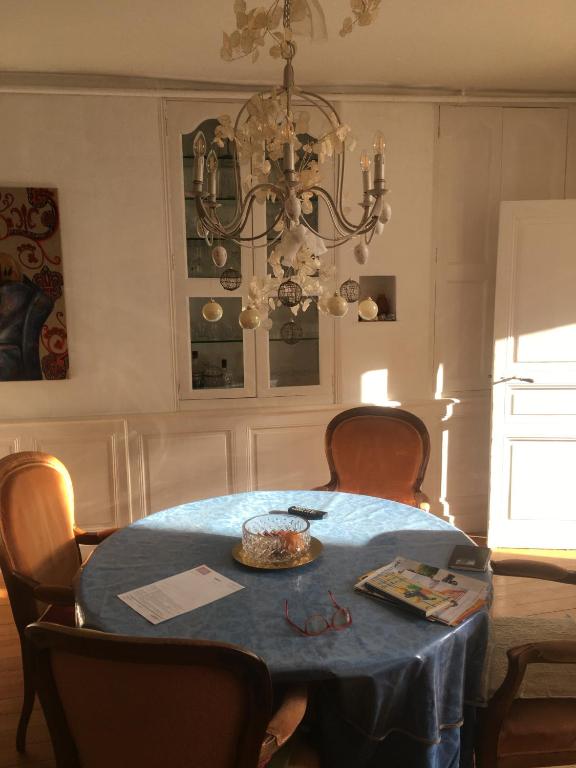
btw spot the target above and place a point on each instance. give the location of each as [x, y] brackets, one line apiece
[249, 319]
[361, 253]
[386, 214]
[337, 306]
[379, 228]
[367, 309]
[219, 255]
[212, 311]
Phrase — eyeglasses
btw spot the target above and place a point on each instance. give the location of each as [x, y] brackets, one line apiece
[317, 624]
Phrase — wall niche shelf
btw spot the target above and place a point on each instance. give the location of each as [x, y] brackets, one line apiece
[382, 289]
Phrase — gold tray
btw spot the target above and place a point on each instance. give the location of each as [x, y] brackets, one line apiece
[314, 551]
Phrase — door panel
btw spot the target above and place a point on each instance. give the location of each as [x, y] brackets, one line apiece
[534, 424]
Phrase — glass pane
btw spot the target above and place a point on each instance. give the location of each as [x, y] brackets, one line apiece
[217, 348]
[200, 262]
[294, 348]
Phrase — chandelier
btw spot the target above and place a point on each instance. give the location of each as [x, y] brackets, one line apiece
[281, 141]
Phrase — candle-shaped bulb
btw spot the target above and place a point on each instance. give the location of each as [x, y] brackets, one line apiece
[365, 161]
[379, 143]
[199, 145]
[212, 162]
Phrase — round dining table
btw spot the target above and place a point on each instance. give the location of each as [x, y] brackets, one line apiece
[392, 688]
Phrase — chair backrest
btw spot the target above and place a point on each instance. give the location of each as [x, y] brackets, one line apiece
[37, 519]
[122, 701]
[377, 451]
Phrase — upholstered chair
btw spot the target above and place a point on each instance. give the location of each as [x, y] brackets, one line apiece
[154, 702]
[39, 552]
[379, 452]
[528, 731]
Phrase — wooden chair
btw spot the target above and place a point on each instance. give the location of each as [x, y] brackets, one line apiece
[529, 732]
[154, 702]
[380, 452]
[39, 552]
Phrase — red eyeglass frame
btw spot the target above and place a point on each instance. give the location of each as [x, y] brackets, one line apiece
[328, 624]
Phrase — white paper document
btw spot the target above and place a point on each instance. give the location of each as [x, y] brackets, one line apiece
[179, 594]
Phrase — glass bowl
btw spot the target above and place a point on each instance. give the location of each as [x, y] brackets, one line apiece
[275, 538]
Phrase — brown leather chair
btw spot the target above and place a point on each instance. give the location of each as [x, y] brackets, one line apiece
[39, 552]
[380, 452]
[154, 702]
[529, 732]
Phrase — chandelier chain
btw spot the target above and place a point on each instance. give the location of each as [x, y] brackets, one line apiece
[287, 4]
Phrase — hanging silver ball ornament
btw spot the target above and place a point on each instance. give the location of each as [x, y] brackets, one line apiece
[350, 290]
[337, 306]
[212, 311]
[289, 293]
[219, 255]
[230, 279]
[361, 253]
[386, 214]
[367, 309]
[249, 319]
[293, 208]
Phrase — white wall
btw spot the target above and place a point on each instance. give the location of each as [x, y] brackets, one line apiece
[402, 348]
[104, 155]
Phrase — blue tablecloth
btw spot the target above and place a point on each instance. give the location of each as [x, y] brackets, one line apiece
[389, 673]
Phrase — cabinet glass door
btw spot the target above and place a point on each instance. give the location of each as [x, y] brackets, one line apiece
[215, 359]
[198, 251]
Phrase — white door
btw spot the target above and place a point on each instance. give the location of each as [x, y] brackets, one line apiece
[533, 459]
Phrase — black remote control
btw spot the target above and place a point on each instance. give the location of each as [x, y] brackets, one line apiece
[307, 513]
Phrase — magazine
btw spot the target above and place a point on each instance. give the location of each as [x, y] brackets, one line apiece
[455, 596]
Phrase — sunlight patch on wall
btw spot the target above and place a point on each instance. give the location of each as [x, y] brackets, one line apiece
[439, 382]
[444, 476]
[375, 388]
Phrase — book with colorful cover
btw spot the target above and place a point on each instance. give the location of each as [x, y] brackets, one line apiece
[455, 596]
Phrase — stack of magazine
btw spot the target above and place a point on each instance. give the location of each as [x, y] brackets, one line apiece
[434, 593]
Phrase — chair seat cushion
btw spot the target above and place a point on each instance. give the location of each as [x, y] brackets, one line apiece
[539, 726]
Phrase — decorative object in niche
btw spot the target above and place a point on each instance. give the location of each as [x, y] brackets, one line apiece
[382, 289]
[33, 339]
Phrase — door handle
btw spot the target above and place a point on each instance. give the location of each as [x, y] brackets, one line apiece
[513, 378]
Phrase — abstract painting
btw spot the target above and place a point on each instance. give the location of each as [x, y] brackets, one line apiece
[33, 341]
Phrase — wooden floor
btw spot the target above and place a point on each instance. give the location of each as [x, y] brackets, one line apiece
[511, 599]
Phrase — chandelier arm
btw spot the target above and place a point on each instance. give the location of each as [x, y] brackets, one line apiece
[329, 110]
[365, 226]
[343, 227]
[336, 242]
[210, 221]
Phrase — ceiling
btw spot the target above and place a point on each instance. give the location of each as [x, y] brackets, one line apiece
[487, 45]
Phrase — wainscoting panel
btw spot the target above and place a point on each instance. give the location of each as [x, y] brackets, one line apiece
[290, 457]
[9, 443]
[94, 454]
[185, 466]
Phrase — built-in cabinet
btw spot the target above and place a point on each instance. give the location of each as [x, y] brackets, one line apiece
[287, 355]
